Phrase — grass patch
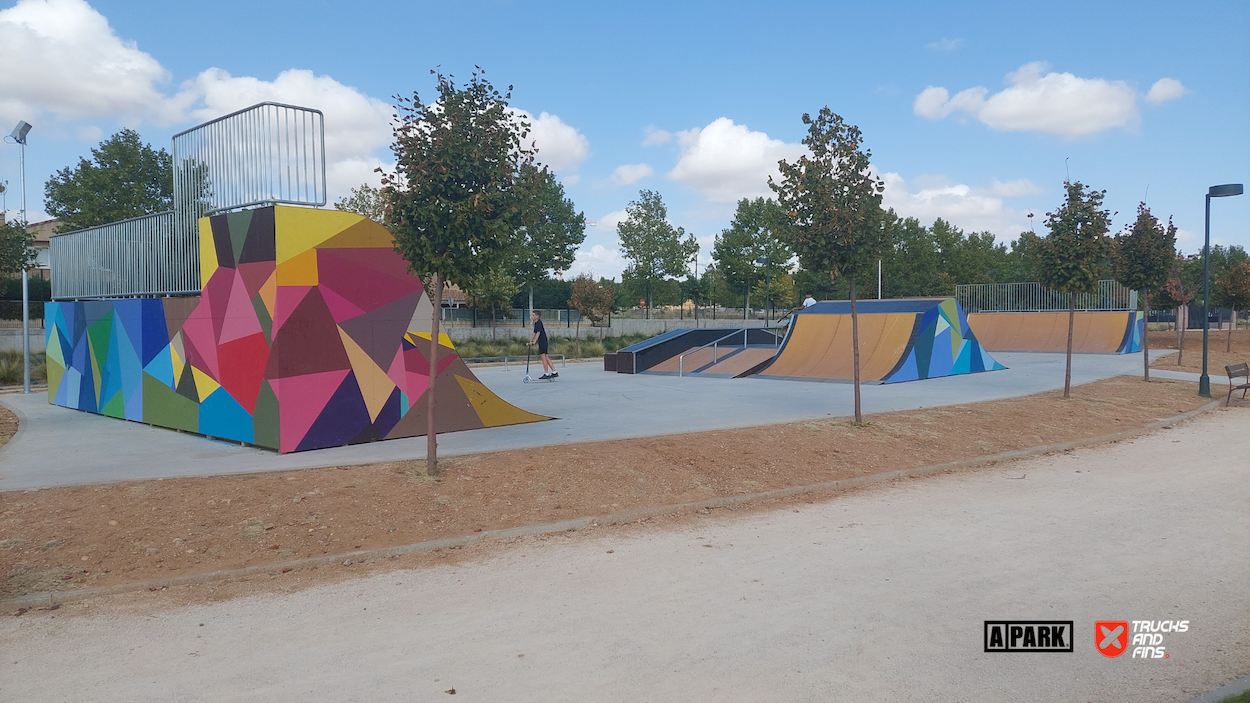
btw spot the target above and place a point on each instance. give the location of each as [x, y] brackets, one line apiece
[590, 347]
[11, 367]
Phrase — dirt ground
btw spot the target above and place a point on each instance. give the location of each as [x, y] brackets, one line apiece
[75, 537]
[1217, 357]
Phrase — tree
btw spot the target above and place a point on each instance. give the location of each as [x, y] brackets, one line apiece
[591, 300]
[751, 236]
[1179, 291]
[1069, 257]
[832, 209]
[1234, 287]
[549, 228]
[654, 247]
[1142, 256]
[453, 193]
[492, 292]
[17, 251]
[125, 178]
[364, 200]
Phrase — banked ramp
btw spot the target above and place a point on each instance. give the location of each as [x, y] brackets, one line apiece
[899, 340]
[1093, 332]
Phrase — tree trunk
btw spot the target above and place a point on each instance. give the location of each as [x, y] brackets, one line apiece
[578, 337]
[1181, 324]
[531, 310]
[746, 301]
[431, 437]
[1232, 323]
[859, 418]
[648, 311]
[1145, 333]
[494, 315]
[1067, 372]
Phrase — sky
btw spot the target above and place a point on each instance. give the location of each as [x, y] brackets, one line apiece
[973, 112]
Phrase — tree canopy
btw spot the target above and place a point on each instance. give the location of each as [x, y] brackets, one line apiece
[1142, 256]
[16, 248]
[364, 200]
[125, 178]
[1070, 257]
[549, 229]
[654, 248]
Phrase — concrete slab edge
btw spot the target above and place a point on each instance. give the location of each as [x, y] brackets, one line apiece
[1228, 690]
[635, 515]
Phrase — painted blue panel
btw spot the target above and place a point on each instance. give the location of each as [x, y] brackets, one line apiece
[155, 333]
[940, 361]
[906, 372]
[222, 416]
[963, 362]
[162, 368]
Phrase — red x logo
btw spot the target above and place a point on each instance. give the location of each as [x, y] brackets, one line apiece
[1111, 637]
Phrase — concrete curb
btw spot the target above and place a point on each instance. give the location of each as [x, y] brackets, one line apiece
[59, 597]
[1228, 690]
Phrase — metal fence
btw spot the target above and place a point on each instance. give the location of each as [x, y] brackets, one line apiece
[139, 256]
[1032, 297]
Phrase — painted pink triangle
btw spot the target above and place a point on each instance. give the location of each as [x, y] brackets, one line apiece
[396, 370]
[302, 398]
[197, 337]
[417, 383]
[240, 319]
[340, 308]
[286, 299]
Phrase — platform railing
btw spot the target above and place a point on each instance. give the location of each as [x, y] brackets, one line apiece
[1033, 297]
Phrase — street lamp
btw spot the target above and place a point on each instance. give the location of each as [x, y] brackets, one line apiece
[19, 135]
[768, 288]
[1204, 381]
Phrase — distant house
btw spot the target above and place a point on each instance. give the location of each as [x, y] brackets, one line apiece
[42, 231]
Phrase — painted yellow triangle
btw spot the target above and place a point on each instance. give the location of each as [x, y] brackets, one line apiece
[269, 293]
[299, 229]
[203, 384]
[443, 339]
[375, 385]
[208, 252]
[175, 357]
[298, 270]
[491, 409]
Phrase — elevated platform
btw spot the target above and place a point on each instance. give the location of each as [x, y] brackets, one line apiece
[899, 340]
[649, 354]
[1093, 332]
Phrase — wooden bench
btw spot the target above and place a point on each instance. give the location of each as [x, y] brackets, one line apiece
[1234, 372]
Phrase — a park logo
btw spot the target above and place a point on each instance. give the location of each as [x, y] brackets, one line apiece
[1028, 635]
[1111, 637]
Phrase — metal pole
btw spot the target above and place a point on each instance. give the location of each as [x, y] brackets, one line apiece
[1204, 381]
[878, 279]
[25, 286]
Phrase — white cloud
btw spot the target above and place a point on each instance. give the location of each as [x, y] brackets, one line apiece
[609, 221]
[62, 57]
[1165, 89]
[356, 125]
[627, 174]
[727, 161]
[944, 44]
[571, 180]
[656, 136]
[1057, 103]
[603, 262]
[971, 209]
[559, 145]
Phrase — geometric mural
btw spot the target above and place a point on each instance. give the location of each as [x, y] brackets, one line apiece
[943, 345]
[309, 332]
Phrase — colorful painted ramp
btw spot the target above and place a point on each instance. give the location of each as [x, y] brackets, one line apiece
[309, 333]
[899, 340]
[1093, 332]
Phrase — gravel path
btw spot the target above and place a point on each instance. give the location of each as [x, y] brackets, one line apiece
[875, 595]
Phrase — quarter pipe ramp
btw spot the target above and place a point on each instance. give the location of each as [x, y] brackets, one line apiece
[1093, 332]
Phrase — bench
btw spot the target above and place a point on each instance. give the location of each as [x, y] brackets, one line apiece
[1234, 372]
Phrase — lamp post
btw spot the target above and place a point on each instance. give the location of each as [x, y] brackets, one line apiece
[1204, 381]
[19, 135]
[768, 288]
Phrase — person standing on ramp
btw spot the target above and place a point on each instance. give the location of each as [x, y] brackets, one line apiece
[540, 337]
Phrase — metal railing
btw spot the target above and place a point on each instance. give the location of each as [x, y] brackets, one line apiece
[1032, 297]
[266, 153]
[714, 344]
[139, 256]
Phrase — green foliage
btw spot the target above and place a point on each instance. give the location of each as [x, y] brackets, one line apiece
[1143, 255]
[492, 292]
[549, 294]
[751, 235]
[365, 200]
[548, 227]
[1071, 256]
[591, 298]
[633, 291]
[11, 367]
[16, 250]
[453, 198]
[654, 248]
[1233, 285]
[779, 288]
[125, 178]
[830, 200]
[38, 288]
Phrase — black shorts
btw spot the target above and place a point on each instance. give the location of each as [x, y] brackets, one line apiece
[542, 346]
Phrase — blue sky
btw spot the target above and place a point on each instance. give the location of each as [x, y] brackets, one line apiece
[972, 111]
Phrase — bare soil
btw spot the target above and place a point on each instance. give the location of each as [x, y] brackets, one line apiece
[1217, 358]
[84, 536]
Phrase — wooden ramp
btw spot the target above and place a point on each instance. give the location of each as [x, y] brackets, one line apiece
[1093, 332]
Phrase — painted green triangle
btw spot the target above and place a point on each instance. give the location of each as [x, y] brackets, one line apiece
[238, 222]
[262, 314]
[115, 407]
[265, 418]
[163, 407]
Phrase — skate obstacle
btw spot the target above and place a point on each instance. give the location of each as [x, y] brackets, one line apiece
[1093, 331]
[899, 340]
[309, 332]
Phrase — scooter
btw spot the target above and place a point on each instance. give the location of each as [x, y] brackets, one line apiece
[527, 365]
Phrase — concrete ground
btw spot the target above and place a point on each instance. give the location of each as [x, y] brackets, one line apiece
[878, 595]
[57, 446]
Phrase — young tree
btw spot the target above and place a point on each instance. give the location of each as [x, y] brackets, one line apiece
[1234, 286]
[1070, 256]
[125, 178]
[1179, 292]
[751, 235]
[832, 209]
[592, 300]
[492, 292]
[1142, 257]
[16, 248]
[549, 228]
[654, 247]
[364, 200]
[453, 202]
